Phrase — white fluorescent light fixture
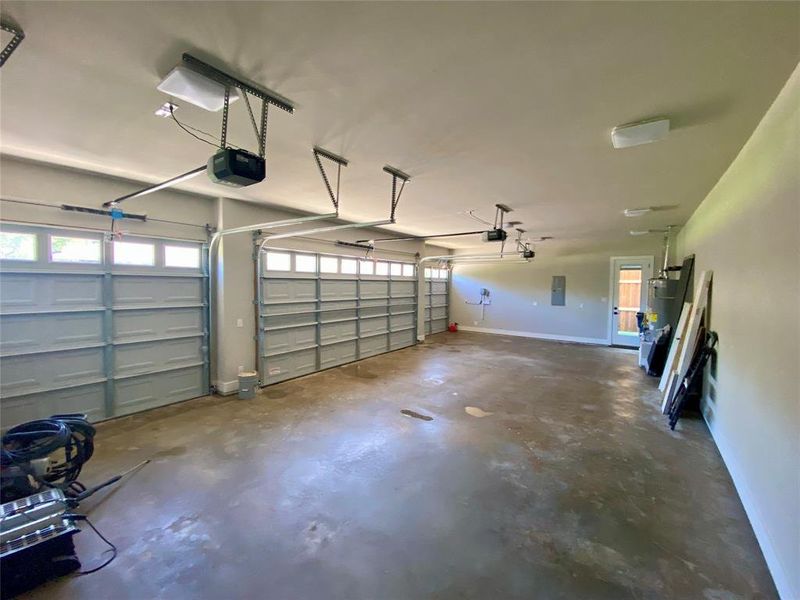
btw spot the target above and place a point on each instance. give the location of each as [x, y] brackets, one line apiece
[642, 132]
[644, 232]
[197, 89]
[636, 212]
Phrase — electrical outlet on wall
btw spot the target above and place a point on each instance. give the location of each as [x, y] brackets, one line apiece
[240, 322]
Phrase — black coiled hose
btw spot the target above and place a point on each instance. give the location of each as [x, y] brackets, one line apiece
[43, 438]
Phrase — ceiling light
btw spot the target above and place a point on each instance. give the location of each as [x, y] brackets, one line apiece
[641, 132]
[643, 232]
[636, 212]
[196, 89]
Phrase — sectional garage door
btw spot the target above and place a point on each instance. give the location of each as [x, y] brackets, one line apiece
[437, 300]
[321, 310]
[101, 327]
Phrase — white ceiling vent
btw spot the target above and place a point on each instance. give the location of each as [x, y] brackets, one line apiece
[197, 89]
[642, 132]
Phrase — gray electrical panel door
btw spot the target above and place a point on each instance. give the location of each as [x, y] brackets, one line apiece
[558, 293]
[99, 327]
[318, 311]
[437, 300]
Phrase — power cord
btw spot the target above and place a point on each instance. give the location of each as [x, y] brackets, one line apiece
[111, 547]
[186, 127]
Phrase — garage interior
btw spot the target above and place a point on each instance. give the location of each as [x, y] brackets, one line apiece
[400, 300]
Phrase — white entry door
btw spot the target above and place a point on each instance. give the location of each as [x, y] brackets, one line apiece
[628, 296]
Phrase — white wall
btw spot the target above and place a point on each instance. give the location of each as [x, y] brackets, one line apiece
[747, 231]
[516, 287]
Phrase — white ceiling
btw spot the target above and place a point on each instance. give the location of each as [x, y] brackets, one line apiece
[479, 102]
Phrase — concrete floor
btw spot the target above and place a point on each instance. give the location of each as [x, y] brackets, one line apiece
[569, 486]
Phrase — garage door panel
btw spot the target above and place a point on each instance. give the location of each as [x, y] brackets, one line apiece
[402, 321]
[29, 333]
[349, 314]
[289, 339]
[144, 357]
[374, 325]
[289, 320]
[157, 291]
[337, 354]
[402, 288]
[337, 331]
[29, 373]
[47, 291]
[376, 311]
[401, 339]
[88, 399]
[289, 290]
[292, 308]
[439, 312]
[145, 324]
[438, 326]
[373, 345]
[438, 287]
[332, 289]
[286, 366]
[157, 389]
[338, 315]
[374, 289]
[62, 353]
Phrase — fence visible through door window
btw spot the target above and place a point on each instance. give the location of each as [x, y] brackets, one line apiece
[630, 293]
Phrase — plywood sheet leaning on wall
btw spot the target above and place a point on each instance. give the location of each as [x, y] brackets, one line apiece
[675, 346]
[690, 340]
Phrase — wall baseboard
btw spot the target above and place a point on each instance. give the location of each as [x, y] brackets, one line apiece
[538, 336]
[225, 388]
[747, 498]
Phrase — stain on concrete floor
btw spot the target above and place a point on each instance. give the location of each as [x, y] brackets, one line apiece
[474, 411]
[574, 488]
[414, 414]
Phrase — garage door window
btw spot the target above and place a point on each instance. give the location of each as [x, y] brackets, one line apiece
[328, 264]
[382, 268]
[134, 253]
[74, 249]
[367, 267]
[349, 266]
[279, 261]
[17, 246]
[305, 263]
[184, 257]
[408, 270]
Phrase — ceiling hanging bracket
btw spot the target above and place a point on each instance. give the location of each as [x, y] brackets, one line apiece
[404, 178]
[18, 34]
[340, 162]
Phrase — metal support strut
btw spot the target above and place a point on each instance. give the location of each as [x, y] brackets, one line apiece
[404, 177]
[18, 34]
[340, 162]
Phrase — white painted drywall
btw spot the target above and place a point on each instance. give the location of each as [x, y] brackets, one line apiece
[520, 295]
[747, 230]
